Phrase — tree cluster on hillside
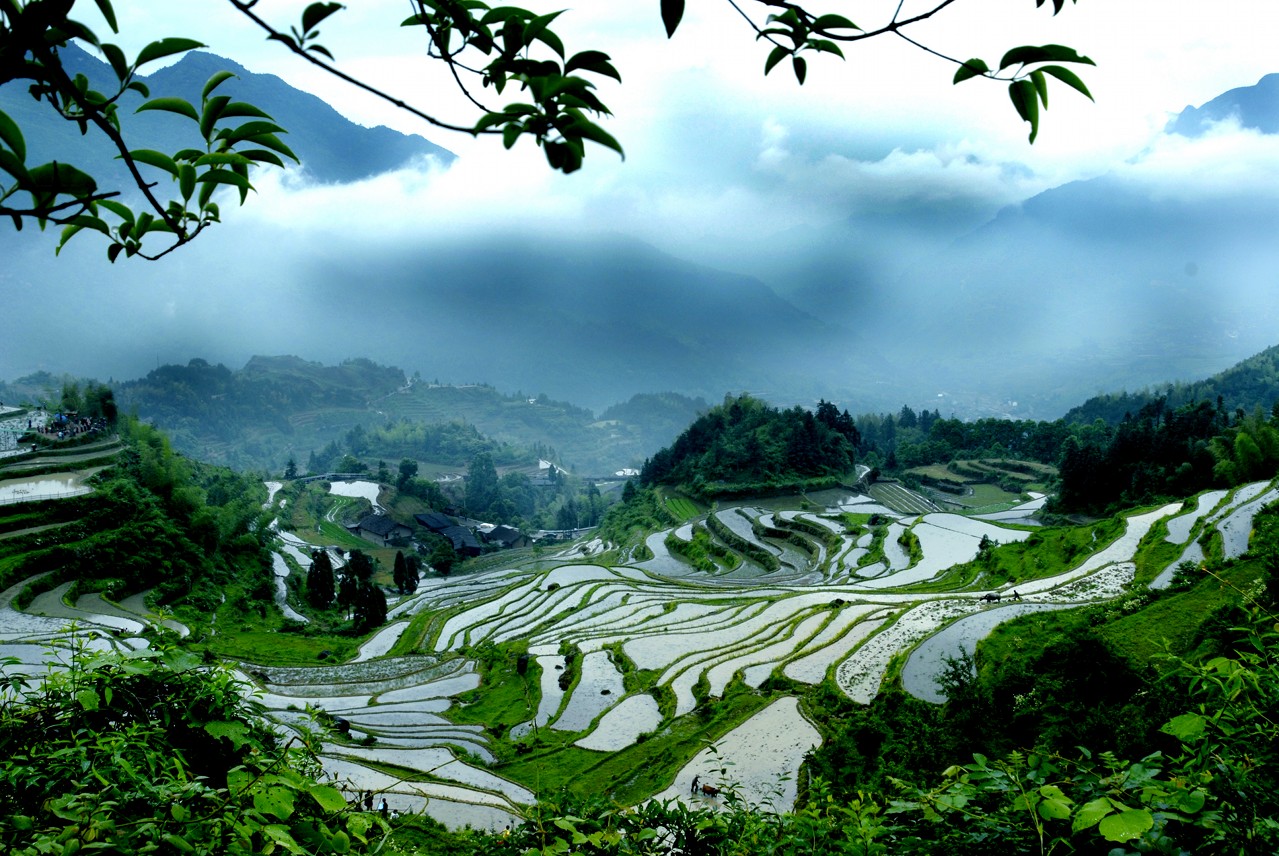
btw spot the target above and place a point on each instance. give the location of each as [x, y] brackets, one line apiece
[1245, 386]
[566, 502]
[906, 439]
[747, 445]
[452, 443]
[248, 416]
[1165, 453]
[158, 520]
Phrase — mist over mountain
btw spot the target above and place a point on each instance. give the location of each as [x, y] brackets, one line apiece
[946, 298]
[1254, 106]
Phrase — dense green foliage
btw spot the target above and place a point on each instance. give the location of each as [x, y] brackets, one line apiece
[156, 520]
[154, 753]
[746, 446]
[1163, 453]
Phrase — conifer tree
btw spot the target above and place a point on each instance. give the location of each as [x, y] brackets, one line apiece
[319, 580]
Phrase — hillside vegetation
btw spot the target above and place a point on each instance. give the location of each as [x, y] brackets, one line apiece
[280, 407]
[744, 446]
[1100, 714]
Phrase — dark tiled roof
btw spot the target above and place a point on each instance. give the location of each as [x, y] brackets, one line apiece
[461, 537]
[380, 524]
[434, 521]
[504, 535]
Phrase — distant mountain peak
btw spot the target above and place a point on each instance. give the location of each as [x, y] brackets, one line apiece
[1255, 107]
[332, 148]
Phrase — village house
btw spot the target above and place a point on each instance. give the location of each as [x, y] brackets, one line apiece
[382, 530]
[506, 537]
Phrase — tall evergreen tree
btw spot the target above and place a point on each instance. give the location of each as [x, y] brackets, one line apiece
[319, 580]
[481, 484]
[370, 607]
[400, 573]
[360, 566]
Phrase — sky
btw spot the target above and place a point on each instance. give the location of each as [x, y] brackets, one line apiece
[723, 164]
[715, 149]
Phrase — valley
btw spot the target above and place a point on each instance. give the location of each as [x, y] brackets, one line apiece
[611, 668]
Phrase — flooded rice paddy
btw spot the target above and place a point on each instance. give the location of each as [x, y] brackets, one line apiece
[821, 615]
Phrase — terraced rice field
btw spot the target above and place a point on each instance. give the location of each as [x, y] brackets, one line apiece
[816, 616]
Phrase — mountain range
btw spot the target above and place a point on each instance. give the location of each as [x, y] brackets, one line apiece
[1092, 286]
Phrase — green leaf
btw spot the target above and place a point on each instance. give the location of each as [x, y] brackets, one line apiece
[1042, 53]
[10, 164]
[833, 22]
[280, 835]
[596, 61]
[826, 46]
[57, 178]
[588, 130]
[211, 113]
[156, 159]
[536, 30]
[178, 843]
[801, 68]
[78, 224]
[672, 13]
[328, 798]
[214, 82]
[236, 732]
[186, 180]
[224, 176]
[263, 156]
[317, 12]
[511, 133]
[1026, 101]
[88, 699]
[250, 130]
[11, 136]
[108, 14]
[775, 56]
[1188, 728]
[172, 105]
[1041, 86]
[1054, 809]
[166, 47]
[1091, 813]
[973, 68]
[272, 142]
[116, 58]
[276, 801]
[1067, 77]
[1126, 825]
[119, 209]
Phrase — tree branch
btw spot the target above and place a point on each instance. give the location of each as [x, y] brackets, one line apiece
[246, 8]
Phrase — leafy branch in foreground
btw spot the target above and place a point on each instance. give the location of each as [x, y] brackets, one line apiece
[797, 31]
[486, 49]
[32, 36]
[154, 752]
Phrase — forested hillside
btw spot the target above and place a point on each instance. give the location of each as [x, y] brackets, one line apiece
[745, 446]
[1251, 384]
[277, 408]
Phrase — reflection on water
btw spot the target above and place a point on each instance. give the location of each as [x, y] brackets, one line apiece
[50, 486]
